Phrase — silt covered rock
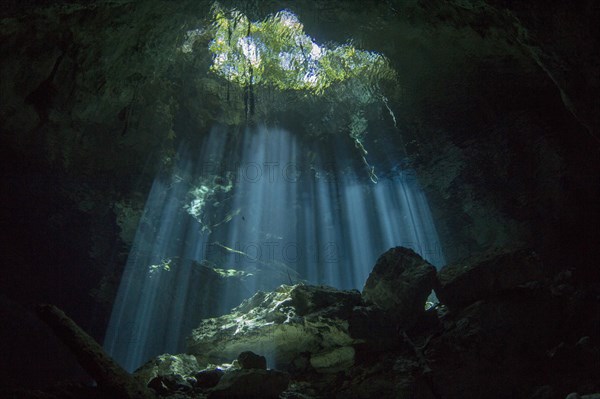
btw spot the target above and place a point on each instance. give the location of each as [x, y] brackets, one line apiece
[251, 383]
[483, 276]
[250, 360]
[399, 284]
[282, 325]
[164, 365]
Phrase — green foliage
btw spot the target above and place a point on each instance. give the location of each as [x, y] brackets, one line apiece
[272, 69]
[276, 52]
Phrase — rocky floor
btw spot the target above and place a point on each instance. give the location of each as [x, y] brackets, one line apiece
[503, 329]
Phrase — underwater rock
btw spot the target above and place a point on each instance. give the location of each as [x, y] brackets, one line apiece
[281, 325]
[301, 364]
[482, 276]
[250, 360]
[371, 324]
[333, 361]
[169, 383]
[211, 281]
[208, 378]
[399, 284]
[164, 365]
[324, 301]
[254, 383]
[501, 342]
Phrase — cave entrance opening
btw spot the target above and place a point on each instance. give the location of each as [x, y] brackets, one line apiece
[256, 206]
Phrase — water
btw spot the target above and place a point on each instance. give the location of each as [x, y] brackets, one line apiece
[256, 200]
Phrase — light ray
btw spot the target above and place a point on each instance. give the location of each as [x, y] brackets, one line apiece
[273, 216]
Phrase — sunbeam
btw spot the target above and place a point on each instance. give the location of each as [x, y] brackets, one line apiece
[248, 206]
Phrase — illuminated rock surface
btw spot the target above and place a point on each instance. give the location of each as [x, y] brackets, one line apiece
[281, 325]
[182, 364]
[400, 283]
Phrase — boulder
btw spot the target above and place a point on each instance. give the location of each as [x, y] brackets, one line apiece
[164, 365]
[483, 276]
[250, 360]
[251, 383]
[164, 384]
[335, 360]
[503, 342]
[208, 378]
[282, 325]
[400, 284]
[324, 301]
[372, 325]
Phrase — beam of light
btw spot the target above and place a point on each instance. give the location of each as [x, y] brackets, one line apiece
[265, 210]
[152, 309]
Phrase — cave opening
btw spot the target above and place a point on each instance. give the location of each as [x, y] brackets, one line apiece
[254, 206]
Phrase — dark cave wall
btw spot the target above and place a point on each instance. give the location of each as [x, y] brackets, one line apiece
[527, 142]
[497, 107]
[497, 110]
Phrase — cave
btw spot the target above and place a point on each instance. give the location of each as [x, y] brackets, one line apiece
[375, 199]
